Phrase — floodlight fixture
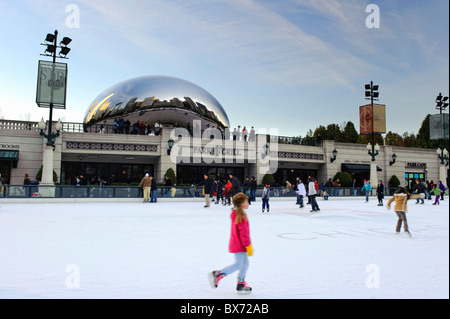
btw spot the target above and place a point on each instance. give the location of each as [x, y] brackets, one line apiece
[65, 41]
[50, 37]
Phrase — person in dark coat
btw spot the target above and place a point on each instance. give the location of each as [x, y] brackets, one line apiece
[207, 184]
[380, 193]
[153, 191]
[235, 185]
[419, 188]
[253, 189]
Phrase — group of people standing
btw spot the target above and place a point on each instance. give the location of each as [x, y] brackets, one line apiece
[149, 188]
[123, 126]
[311, 191]
[223, 189]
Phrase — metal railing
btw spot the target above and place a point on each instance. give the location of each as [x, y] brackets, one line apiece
[96, 191]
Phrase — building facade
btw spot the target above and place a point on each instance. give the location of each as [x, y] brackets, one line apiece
[125, 158]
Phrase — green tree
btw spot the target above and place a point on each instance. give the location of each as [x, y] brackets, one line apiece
[349, 134]
[345, 179]
[333, 133]
[409, 139]
[268, 179]
[171, 174]
[423, 137]
[394, 139]
[394, 181]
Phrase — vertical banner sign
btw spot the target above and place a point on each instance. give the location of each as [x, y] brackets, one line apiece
[379, 119]
[51, 84]
[439, 129]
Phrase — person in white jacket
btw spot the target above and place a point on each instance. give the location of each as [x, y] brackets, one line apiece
[312, 193]
[301, 191]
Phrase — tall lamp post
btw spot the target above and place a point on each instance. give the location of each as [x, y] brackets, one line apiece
[51, 93]
[441, 105]
[372, 94]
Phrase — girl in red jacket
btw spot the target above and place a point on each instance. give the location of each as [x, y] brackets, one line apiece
[240, 246]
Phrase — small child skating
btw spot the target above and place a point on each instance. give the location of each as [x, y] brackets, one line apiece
[240, 245]
[436, 191]
[265, 198]
[401, 197]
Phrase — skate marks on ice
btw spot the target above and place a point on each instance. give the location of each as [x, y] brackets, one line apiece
[425, 233]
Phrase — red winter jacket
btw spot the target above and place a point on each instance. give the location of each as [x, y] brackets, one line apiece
[240, 235]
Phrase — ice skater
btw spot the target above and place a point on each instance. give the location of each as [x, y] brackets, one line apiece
[366, 189]
[436, 191]
[240, 245]
[380, 193]
[401, 197]
[265, 198]
[312, 193]
[301, 192]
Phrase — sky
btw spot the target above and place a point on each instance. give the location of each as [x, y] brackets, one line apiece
[287, 64]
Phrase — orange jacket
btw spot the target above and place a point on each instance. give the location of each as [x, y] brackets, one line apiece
[401, 201]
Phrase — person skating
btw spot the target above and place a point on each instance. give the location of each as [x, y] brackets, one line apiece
[265, 198]
[207, 184]
[436, 191]
[240, 245]
[380, 193]
[312, 193]
[401, 197]
[227, 194]
[366, 189]
[301, 191]
[146, 184]
[419, 188]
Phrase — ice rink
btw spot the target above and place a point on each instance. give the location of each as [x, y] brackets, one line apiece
[165, 250]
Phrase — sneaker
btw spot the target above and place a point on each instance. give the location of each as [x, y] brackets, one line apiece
[263, 210]
[206, 206]
[408, 233]
[313, 211]
[243, 289]
[214, 278]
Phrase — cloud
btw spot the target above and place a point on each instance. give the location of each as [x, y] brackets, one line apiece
[244, 37]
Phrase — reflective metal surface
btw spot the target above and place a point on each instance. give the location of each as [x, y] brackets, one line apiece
[152, 98]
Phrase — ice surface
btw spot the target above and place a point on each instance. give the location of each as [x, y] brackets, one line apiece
[165, 250]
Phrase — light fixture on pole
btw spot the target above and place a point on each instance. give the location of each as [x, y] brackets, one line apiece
[373, 150]
[335, 153]
[394, 159]
[266, 150]
[372, 94]
[441, 102]
[51, 137]
[443, 156]
[170, 143]
[51, 93]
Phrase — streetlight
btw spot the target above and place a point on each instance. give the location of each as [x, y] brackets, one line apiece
[51, 93]
[441, 102]
[51, 137]
[50, 51]
[372, 94]
[443, 156]
[394, 159]
[170, 143]
[373, 150]
[335, 153]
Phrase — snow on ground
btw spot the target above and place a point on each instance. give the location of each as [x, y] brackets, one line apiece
[165, 250]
